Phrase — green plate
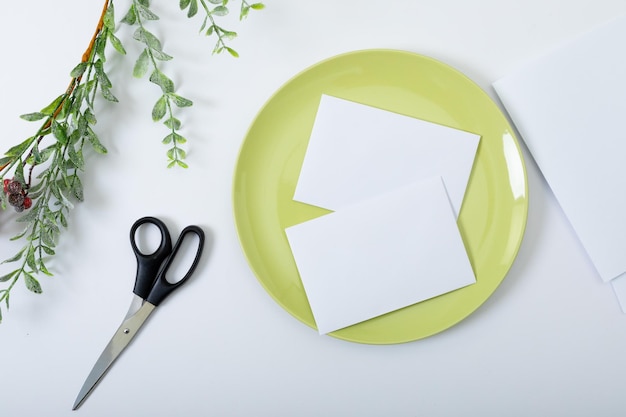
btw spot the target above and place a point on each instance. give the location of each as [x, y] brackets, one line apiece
[492, 219]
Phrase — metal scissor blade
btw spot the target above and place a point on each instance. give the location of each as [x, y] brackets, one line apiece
[124, 334]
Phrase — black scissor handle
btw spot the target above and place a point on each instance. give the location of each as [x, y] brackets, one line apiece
[148, 265]
[162, 287]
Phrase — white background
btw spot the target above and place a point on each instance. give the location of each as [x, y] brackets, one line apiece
[551, 341]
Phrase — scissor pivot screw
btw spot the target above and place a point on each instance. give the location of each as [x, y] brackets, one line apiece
[126, 331]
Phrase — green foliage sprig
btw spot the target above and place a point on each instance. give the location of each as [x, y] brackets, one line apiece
[67, 130]
[138, 14]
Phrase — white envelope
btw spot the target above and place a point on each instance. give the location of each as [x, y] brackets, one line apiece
[356, 152]
[569, 107]
[379, 255]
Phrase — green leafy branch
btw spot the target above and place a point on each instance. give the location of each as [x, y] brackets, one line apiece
[56, 150]
[209, 25]
[138, 14]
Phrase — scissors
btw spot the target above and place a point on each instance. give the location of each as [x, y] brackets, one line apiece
[151, 288]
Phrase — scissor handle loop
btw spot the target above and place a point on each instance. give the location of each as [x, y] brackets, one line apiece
[162, 287]
[148, 265]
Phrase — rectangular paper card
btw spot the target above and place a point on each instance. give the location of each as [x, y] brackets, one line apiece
[357, 151]
[380, 255]
[569, 107]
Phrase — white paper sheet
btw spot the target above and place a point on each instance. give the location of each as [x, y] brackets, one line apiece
[357, 151]
[569, 107]
[382, 254]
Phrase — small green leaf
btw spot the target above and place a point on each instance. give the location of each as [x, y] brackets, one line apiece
[184, 4]
[31, 283]
[193, 8]
[77, 188]
[178, 162]
[49, 251]
[99, 46]
[95, 142]
[177, 153]
[66, 108]
[181, 101]
[162, 81]
[76, 157]
[232, 51]
[48, 236]
[17, 150]
[131, 17]
[146, 13]
[42, 268]
[147, 38]
[79, 70]
[51, 108]
[109, 18]
[75, 136]
[160, 108]
[116, 43]
[35, 155]
[65, 201]
[6, 277]
[59, 131]
[220, 11]
[15, 257]
[103, 79]
[229, 34]
[176, 138]
[61, 218]
[32, 117]
[172, 123]
[243, 13]
[257, 6]
[141, 65]
[161, 56]
[30, 259]
[89, 117]
[204, 23]
[20, 235]
[106, 93]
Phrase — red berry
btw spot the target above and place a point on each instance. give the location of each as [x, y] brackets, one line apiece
[14, 187]
[27, 202]
[6, 184]
[16, 200]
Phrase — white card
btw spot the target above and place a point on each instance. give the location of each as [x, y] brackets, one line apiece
[380, 255]
[357, 151]
[569, 107]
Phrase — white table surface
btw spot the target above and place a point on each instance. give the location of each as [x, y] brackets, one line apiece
[551, 341]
